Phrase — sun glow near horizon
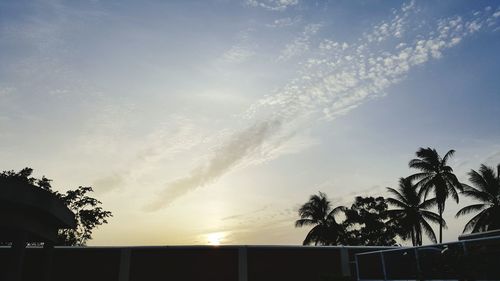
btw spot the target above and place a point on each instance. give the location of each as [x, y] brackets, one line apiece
[216, 238]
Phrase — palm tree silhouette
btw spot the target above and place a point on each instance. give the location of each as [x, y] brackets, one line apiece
[437, 177]
[412, 215]
[486, 191]
[319, 213]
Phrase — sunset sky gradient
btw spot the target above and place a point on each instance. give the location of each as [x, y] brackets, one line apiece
[203, 122]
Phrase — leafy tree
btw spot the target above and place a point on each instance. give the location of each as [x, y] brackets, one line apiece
[367, 223]
[412, 213]
[437, 177]
[487, 192]
[88, 211]
[318, 212]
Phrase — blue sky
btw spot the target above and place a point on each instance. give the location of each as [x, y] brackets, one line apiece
[199, 119]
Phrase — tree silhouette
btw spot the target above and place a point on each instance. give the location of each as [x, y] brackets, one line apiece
[487, 192]
[437, 177]
[412, 214]
[88, 212]
[367, 223]
[317, 212]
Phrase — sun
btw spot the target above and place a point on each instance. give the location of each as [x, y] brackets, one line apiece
[215, 238]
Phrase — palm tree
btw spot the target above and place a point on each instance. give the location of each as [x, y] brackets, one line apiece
[412, 216]
[437, 177]
[319, 213]
[486, 191]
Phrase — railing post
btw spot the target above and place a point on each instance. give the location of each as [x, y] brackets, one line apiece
[242, 264]
[357, 267]
[417, 263]
[124, 274]
[383, 265]
[48, 256]
[464, 270]
[344, 262]
[18, 250]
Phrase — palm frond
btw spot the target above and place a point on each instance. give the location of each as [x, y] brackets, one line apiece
[303, 222]
[312, 236]
[477, 194]
[421, 165]
[448, 155]
[429, 155]
[478, 180]
[483, 221]
[397, 194]
[487, 174]
[418, 176]
[395, 214]
[396, 203]
[453, 192]
[469, 209]
[447, 169]
[337, 210]
[429, 231]
[429, 203]
[470, 225]
[434, 218]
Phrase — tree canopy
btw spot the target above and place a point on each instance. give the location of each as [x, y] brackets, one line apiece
[88, 211]
[436, 177]
[411, 213]
[369, 221]
[367, 224]
[486, 191]
[317, 212]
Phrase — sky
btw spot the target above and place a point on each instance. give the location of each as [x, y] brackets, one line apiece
[204, 122]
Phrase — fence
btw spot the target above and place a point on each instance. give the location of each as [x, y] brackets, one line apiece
[472, 259]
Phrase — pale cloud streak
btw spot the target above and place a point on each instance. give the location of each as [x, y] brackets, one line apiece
[272, 5]
[238, 54]
[240, 146]
[170, 140]
[243, 50]
[6, 91]
[284, 22]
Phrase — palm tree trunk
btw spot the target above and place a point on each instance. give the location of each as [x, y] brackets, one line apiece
[440, 226]
[413, 242]
[419, 237]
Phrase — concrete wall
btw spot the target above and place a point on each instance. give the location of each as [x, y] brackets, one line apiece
[224, 263]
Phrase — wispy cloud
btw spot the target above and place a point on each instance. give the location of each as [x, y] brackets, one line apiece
[272, 5]
[178, 135]
[284, 22]
[6, 91]
[336, 78]
[246, 215]
[238, 53]
[394, 27]
[493, 159]
[239, 146]
[343, 75]
[246, 226]
[300, 44]
[243, 50]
